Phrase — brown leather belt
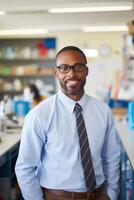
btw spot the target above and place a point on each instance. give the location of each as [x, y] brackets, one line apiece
[75, 195]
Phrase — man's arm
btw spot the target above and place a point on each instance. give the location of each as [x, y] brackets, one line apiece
[29, 158]
[111, 158]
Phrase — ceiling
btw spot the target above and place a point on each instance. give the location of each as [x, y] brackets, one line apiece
[33, 14]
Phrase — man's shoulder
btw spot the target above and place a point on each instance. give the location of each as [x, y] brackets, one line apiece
[44, 107]
[47, 100]
[97, 102]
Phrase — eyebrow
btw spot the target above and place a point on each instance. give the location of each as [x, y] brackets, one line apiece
[74, 64]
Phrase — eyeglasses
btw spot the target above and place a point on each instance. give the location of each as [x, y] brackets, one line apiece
[79, 67]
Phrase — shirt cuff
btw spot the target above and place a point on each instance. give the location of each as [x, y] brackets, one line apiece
[112, 194]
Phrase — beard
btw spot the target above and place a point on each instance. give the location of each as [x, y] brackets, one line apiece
[75, 89]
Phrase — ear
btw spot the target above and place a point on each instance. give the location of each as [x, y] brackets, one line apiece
[56, 73]
[87, 71]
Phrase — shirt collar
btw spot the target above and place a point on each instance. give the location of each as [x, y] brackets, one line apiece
[70, 103]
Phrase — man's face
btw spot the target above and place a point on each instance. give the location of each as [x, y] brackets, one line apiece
[72, 83]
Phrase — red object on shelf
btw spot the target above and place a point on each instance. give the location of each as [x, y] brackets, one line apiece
[43, 51]
[40, 45]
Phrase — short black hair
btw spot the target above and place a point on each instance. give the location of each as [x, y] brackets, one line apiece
[71, 48]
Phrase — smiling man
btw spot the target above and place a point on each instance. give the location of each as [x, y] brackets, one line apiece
[71, 72]
[69, 148]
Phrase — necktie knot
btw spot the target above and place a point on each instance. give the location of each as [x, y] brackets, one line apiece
[77, 108]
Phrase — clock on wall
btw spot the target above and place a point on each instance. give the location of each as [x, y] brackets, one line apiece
[105, 50]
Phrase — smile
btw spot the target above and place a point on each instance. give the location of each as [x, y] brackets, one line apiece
[72, 81]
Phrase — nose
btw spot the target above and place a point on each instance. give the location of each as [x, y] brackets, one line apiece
[71, 73]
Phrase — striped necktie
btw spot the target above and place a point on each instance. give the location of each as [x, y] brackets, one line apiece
[85, 150]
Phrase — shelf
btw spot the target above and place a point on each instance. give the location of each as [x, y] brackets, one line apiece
[28, 72]
[26, 59]
[27, 76]
[11, 92]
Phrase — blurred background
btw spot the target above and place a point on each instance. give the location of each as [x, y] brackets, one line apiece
[31, 33]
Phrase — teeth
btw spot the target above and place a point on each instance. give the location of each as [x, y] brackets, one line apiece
[72, 81]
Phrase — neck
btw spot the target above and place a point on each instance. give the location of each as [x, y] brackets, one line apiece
[75, 97]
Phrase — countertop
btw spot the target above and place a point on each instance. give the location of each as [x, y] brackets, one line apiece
[9, 140]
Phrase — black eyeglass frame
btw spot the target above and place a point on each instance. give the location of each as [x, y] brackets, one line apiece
[74, 68]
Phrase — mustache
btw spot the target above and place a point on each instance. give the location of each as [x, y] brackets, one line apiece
[73, 79]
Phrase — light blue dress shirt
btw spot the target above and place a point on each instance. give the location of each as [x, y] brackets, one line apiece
[49, 154]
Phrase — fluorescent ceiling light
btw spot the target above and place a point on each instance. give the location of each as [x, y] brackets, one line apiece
[23, 32]
[104, 28]
[92, 53]
[2, 12]
[90, 9]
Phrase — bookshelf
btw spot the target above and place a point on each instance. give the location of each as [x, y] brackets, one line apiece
[24, 61]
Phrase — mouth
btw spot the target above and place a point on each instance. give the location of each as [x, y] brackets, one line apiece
[72, 82]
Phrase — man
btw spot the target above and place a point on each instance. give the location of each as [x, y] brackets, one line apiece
[69, 148]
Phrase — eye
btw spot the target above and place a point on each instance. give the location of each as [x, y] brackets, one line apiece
[79, 66]
[64, 68]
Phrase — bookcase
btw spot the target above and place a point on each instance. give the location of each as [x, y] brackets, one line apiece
[24, 61]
